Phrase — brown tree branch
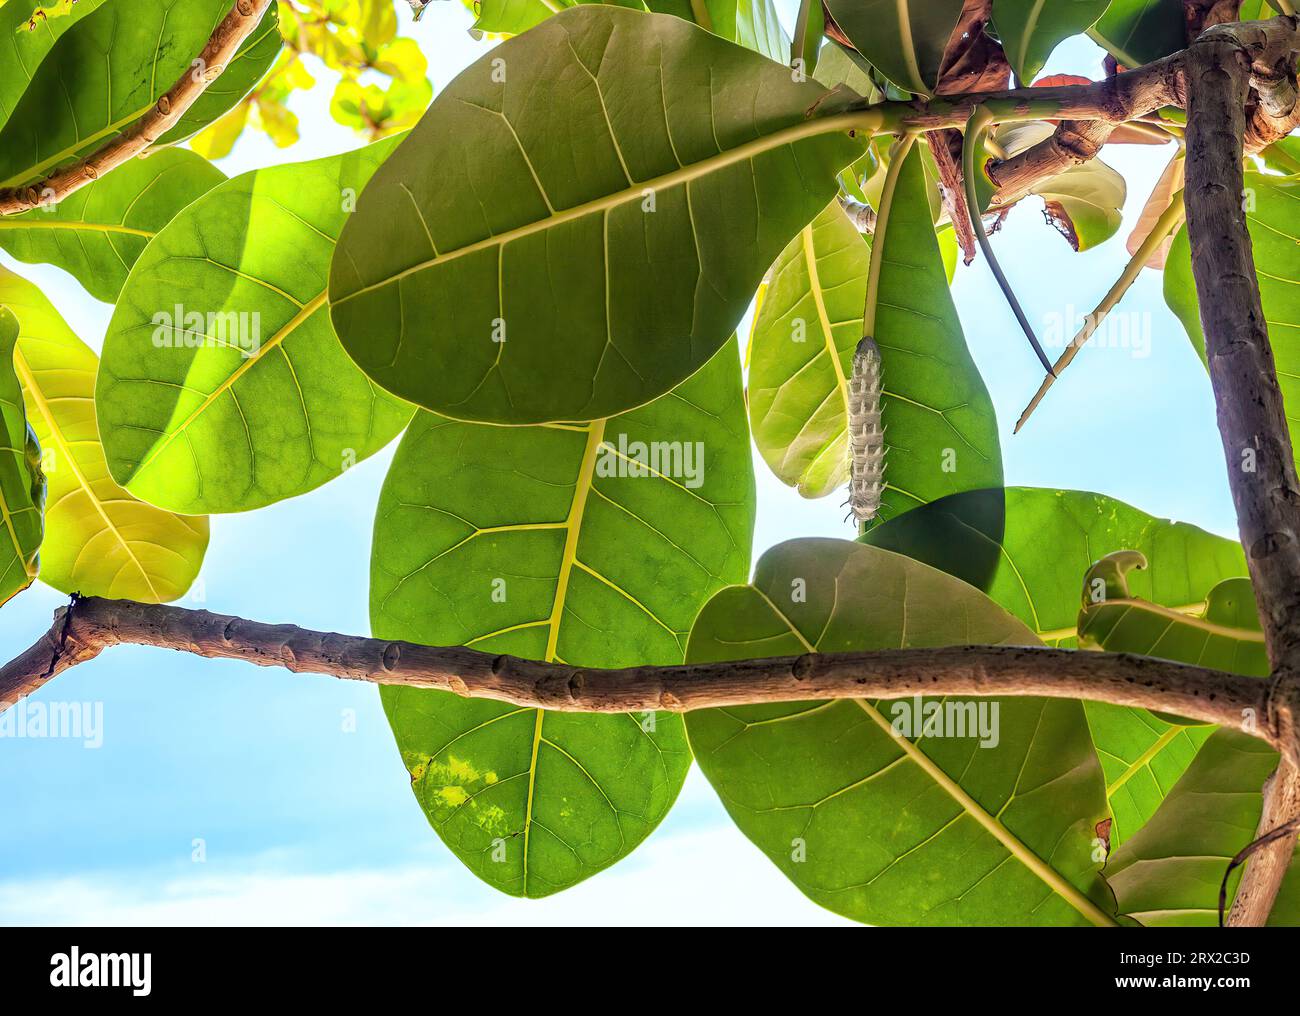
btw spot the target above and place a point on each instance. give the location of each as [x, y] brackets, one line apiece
[224, 43]
[1252, 420]
[88, 626]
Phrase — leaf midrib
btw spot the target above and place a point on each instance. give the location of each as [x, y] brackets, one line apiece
[573, 526]
[636, 191]
[303, 313]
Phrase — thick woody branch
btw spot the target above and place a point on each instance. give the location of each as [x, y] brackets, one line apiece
[89, 626]
[226, 39]
[1252, 420]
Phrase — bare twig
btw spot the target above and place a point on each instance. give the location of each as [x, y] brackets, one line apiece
[224, 43]
[96, 624]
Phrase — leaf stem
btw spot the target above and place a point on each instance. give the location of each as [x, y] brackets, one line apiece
[979, 122]
[1170, 219]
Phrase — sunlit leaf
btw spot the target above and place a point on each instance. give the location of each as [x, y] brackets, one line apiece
[223, 387]
[22, 485]
[1137, 32]
[99, 540]
[96, 233]
[549, 542]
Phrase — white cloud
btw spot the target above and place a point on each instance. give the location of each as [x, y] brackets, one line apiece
[711, 877]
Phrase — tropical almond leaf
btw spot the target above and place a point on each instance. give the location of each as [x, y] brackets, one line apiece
[801, 354]
[25, 37]
[22, 485]
[96, 233]
[223, 387]
[520, 286]
[1027, 548]
[1144, 753]
[99, 540]
[1169, 873]
[1031, 29]
[1085, 203]
[1136, 32]
[895, 812]
[1170, 183]
[108, 70]
[1271, 205]
[903, 39]
[595, 545]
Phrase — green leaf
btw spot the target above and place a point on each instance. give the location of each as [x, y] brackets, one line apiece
[751, 23]
[810, 24]
[1029, 549]
[109, 69]
[801, 353]
[1085, 203]
[22, 485]
[903, 39]
[1136, 32]
[96, 233]
[223, 387]
[529, 279]
[885, 828]
[1271, 205]
[1144, 753]
[1031, 29]
[26, 35]
[1169, 873]
[525, 540]
[1224, 635]
[99, 540]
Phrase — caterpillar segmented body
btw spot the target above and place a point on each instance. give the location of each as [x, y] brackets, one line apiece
[866, 434]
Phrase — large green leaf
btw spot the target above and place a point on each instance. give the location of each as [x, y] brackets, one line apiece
[96, 233]
[110, 68]
[265, 405]
[1136, 32]
[26, 36]
[528, 541]
[22, 485]
[1031, 29]
[903, 39]
[1272, 205]
[578, 241]
[1030, 549]
[1169, 873]
[1144, 753]
[99, 540]
[801, 354]
[751, 23]
[894, 828]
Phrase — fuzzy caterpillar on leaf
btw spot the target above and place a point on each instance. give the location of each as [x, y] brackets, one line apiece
[866, 434]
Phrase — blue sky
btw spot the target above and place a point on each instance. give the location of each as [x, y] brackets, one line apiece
[304, 820]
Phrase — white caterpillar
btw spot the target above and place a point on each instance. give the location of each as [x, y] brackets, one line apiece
[866, 435]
